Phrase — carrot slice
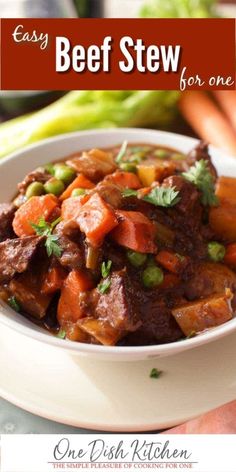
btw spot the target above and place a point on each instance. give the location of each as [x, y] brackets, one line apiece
[96, 219]
[170, 281]
[69, 306]
[230, 255]
[31, 212]
[71, 206]
[53, 281]
[171, 261]
[125, 179]
[207, 120]
[80, 182]
[135, 231]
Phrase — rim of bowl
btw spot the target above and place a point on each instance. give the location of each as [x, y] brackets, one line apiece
[148, 351]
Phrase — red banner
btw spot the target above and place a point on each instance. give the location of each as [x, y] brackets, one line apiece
[117, 54]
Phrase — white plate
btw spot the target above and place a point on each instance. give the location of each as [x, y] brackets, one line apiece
[116, 396]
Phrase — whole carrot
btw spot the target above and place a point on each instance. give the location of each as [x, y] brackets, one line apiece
[207, 120]
[227, 101]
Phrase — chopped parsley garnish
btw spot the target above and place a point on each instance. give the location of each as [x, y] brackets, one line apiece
[180, 257]
[163, 196]
[191, 335]
[158, 196]
[200, 175]
[121, 152]
[104, 286]
[13, 303]
[155, 373]
[128, 192]
[50, 169]
[45, 229]
[142, 149]
[61, 334]
[106, 268]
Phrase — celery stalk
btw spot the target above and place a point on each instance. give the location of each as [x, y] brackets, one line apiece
[81, 110]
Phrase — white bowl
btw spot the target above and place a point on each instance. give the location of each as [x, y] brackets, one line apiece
[17, 165]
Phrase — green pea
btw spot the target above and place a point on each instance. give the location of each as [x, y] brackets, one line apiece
[152, 276]
[137, 259]
[50, 169]
[138, 149]
[35, 189]
[77, 192]
[216, 251]
[64, 173]
[137, 157]
[161, 153]
[54, 186]
[128, 167]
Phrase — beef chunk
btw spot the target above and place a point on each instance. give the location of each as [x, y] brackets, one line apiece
[70, 241]
[187, 192]
[7, 211]
[110, 192]
[26, 288]
[201, 152]
[185, 219]
[190, 241]
[39, 175]
[118, 305]
[158, 324]
[116, 254]
[72, 253]
[139, 316]
[16, 255]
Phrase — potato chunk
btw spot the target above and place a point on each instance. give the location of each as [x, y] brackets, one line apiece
[95, 164]
[150, 172]
[100, 330]
[222, 219]
[208, 279]
[204, 314]
[226, 189]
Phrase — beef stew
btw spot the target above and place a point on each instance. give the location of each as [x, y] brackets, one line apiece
[131, 245]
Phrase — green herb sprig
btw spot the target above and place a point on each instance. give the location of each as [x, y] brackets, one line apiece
[13, 303]
[200, 175]
[128, 192]
[45, 229]
[104, 286]
[192, 334]
[155, 373]
[158, 196]
[163, 196]
[61, 334]
[121, 152]
[106, 268]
